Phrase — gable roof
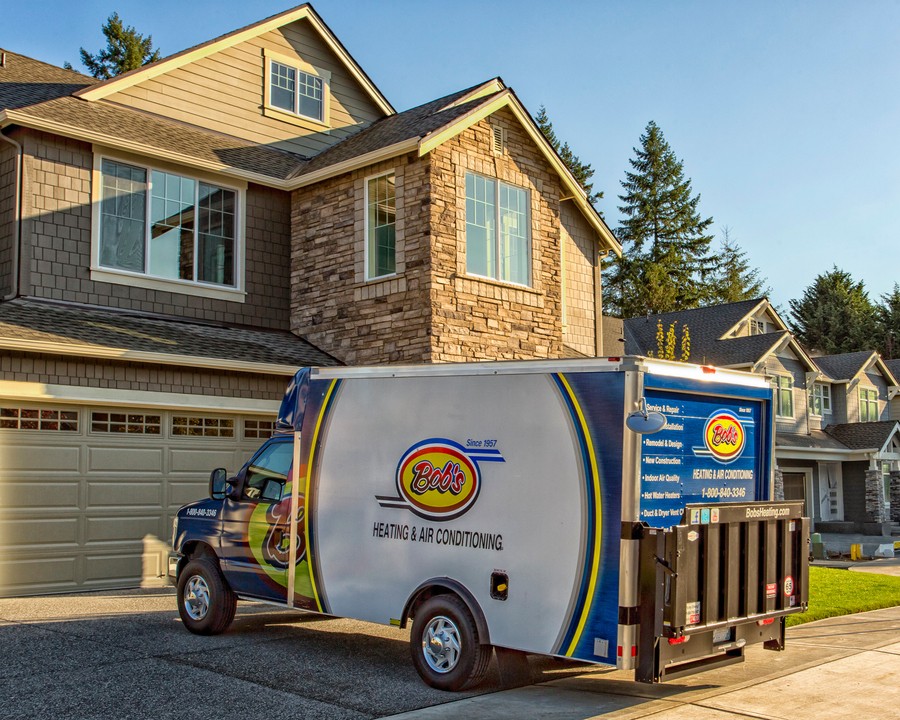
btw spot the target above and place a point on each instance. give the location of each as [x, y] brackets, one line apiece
[25, 81]
[847, 366]
[108, 87]
[55, 328]
[864, 436]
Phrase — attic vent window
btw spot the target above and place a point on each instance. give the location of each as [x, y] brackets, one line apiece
[499, 139]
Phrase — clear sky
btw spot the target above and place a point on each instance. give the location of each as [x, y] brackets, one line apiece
[785, 114]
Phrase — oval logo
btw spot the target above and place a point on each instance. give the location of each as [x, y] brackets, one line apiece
[724, 436]
[438, 479]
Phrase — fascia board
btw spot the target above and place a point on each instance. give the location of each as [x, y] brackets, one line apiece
[173, 62]
[492, 86]
[51, 126]
[788, 452]
[360, 161]
[106, 353]
[508, 100]
[33, 392]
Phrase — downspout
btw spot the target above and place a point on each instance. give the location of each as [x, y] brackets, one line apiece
[17, 218]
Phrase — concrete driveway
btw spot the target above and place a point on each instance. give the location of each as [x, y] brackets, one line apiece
[126, 655]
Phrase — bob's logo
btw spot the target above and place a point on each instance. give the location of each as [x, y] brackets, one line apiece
[438, 480]
[724, 436]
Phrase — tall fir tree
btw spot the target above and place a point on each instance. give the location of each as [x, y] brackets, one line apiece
[887, 314]
[666, 261]
[835, 315]
[582, 172]
[734, 280]
[126, 49]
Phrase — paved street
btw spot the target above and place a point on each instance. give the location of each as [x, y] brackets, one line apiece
[125, 655]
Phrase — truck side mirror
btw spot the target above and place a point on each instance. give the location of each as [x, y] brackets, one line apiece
[217, 480]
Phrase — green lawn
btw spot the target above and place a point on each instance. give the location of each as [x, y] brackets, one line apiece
[834, 592]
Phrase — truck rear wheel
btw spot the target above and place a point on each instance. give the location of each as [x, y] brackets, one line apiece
[444, 644]
[205, 602]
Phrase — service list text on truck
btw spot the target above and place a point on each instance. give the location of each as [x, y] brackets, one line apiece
[610, 510]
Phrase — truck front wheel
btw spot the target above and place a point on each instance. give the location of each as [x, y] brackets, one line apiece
[205, 602]
[444, 644]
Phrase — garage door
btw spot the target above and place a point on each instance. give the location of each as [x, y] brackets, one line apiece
[87, 494]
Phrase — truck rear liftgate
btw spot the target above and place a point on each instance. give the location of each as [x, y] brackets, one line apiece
[723, 579]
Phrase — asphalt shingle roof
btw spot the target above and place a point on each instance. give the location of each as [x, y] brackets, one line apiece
[815, 439]
[863, 436]
[842, 367]
[76, 325]
[25, 81]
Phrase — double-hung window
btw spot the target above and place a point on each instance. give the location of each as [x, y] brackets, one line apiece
[868, 405]
[498, 230]
[381, 226]
[296, 91]
[167, 226]
[784, 396]
[820, 399]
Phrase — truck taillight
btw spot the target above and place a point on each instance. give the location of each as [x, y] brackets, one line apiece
[768, 621]
[678, 641]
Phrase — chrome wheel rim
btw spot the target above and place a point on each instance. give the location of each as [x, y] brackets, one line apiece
[196, 597]
[441, 644]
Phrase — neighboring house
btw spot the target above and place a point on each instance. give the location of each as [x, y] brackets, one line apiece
[836, 446]
[176, 241]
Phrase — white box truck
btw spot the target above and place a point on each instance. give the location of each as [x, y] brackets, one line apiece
[610, 510]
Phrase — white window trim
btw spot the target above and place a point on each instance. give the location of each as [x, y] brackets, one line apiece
[811, 404]
[502, 281]
[117, 276]
[867, 402]
[373, 278]
[778, 390]
[296, 118]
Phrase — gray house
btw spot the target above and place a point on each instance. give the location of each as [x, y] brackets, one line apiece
[837, 446]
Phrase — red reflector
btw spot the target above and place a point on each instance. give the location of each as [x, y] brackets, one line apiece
[678, 641]
[765, 622]
[708, 370]
[619, 651]
[634, 651]
[614, 359]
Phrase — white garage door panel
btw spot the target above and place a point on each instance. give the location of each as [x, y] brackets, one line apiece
[181, 493]
[53, 573]
[99, 568]
[203, 461]
[38, 532]
[25, 460]
[127, 493]
[39, 495]
[105, 529]
[125, 459]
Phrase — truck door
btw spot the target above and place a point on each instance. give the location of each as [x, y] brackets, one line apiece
[256, 523]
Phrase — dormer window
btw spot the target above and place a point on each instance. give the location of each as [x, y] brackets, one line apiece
[758, 326]
[296, 90]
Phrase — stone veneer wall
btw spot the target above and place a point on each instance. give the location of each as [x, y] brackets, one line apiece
[57, 244]
[579, 262]
[478, 319]
[333, 306]
[80, 372]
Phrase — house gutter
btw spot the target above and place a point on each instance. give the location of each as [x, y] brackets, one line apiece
[17, 218]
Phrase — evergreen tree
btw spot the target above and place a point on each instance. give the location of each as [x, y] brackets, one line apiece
[666, 259]
[888, 317]
[734, 279]
[126, 49]
[582, 172]
[835, 315]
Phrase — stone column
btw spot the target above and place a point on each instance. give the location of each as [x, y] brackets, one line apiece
[895, 496]
[778, 490]
[875, 496]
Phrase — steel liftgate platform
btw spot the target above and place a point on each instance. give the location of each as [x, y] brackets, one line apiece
[723, 579]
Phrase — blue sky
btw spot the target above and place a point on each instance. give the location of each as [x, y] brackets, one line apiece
[785, 114]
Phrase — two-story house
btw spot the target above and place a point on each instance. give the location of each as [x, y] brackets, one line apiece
[176, 241]
[836, 445]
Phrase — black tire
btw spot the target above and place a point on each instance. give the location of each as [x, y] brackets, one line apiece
[444, 644]
[205, 602]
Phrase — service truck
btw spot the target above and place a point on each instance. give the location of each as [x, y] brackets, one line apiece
[609, 510]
